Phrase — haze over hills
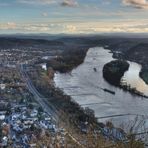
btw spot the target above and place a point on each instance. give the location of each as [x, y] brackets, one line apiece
[57, 36]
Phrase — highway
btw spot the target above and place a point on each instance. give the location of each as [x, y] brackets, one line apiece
[44, 103]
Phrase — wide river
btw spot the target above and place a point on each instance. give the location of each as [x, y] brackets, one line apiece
[83, 84]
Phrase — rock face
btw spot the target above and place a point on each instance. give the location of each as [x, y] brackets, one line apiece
[114, 70]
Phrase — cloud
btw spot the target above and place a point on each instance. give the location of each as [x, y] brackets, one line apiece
[139, 4]
[71, 28]
[106, 2]
[25, 27]
[66, 3]
[45, 14]
[9, 25]
[69, 3]
[38, 28]
[37, 2]
[134, 26]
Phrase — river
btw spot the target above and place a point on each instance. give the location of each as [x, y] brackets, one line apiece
[83, 85]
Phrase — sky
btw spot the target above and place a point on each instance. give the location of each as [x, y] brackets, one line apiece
[73, 16]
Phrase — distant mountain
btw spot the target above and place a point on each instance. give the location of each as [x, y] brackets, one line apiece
[58, 36]
[21, 43]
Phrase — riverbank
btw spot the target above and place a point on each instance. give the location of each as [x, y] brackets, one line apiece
[79, 121]
[44, 83]
[139, 54]
[68, 60]
[84, 82]
[134, 50]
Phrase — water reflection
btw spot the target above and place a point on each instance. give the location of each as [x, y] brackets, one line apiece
[131, 77]
[83, 85]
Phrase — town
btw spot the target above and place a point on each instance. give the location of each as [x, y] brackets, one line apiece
[33, 113]
[73, 74]
[23, 120]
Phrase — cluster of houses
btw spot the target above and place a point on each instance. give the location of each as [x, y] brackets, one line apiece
[22, 120]
[9, 58]
[113, 133]
[23, 123]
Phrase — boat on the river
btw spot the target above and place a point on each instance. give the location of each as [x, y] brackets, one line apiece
[95, 70]
[109, 91]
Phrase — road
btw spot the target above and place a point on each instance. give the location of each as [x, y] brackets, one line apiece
[44, 103]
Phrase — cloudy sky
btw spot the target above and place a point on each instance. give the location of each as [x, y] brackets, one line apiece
[73, 16]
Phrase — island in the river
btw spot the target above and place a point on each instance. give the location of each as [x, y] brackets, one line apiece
[114, 70]
[113, 73]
